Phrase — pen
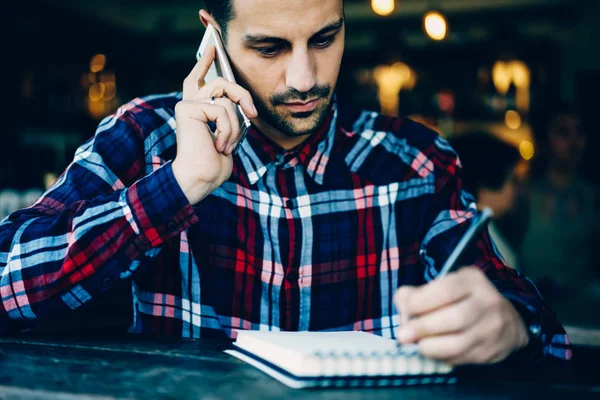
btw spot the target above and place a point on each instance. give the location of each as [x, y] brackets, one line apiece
[479, 221]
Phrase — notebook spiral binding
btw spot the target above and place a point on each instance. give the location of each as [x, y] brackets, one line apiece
[415, 371]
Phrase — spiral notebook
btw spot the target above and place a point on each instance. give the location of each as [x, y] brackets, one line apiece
[342, 359]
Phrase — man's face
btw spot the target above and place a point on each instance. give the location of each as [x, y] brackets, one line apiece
[287, 53]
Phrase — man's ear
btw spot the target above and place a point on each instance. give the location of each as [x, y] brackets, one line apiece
[206, 19]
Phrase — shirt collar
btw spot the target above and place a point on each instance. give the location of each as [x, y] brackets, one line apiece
[258, 152]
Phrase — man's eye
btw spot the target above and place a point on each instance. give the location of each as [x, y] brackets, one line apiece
[323, 41]
[268, 51]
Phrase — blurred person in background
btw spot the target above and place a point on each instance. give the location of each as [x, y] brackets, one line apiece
[558, 249]
[489, 175]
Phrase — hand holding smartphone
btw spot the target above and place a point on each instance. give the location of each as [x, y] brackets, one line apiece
[221, 68]
[204, 158]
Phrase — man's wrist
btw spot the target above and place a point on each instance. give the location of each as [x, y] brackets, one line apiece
[532, 321]
[193, 190]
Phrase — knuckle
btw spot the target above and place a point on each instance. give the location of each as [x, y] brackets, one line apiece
[497, 325]
[179, 107]
[403, 299]
[492, 301]
[402, 293]
[496, 300]
[398, 297]
[470, 272]
[463, 344]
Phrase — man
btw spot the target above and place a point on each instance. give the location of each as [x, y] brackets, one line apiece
[560, 248]
[313, 225]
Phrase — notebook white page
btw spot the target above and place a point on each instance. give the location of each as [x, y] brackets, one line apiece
[337, 354]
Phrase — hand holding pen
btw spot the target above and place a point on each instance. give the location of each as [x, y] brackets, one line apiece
[460, 317]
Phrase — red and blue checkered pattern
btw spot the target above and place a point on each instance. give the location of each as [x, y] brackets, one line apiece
[316, 238]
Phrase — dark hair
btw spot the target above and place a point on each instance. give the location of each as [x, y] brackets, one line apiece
[222, 12]
[486, 160]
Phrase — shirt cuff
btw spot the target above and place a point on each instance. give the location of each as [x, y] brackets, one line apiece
[159, 208]
[533, 319]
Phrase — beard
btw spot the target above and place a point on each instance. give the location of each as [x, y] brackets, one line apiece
[297, 123]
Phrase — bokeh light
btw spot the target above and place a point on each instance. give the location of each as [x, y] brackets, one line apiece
[512, 119]
[526, 149]
[436, 25]
[97, 91]
[383, 7]
[110, 91]
[98, 63]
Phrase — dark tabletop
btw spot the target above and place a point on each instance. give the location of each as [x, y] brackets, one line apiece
[130, 367]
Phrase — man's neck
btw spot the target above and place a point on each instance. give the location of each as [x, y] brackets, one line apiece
[285, 141]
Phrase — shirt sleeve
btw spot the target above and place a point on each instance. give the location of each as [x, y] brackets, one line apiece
[450, 214]
[88, 231]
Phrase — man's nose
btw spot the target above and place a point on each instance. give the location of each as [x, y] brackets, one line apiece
[301, 74]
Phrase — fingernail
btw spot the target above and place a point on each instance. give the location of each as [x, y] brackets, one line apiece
[230, 149]
[255, 111]
[406, 335]
[223, 147]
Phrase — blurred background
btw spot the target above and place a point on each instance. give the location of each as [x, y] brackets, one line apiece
[513, 84]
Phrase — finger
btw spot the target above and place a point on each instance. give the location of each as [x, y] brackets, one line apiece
[440, 292]
[457, 317]
[192, 81]
[205, 112]
[447, 347]
[227, 140]
[222, 87]
[235, 127]
[230, 139]
[400, 300]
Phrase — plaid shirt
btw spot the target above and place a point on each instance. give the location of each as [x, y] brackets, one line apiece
[316, 238]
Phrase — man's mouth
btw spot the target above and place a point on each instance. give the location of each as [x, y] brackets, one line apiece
[299, 106]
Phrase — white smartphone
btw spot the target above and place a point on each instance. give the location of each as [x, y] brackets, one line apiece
[221, 68]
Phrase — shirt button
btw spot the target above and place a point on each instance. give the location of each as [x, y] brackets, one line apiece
[172, 226]
[107, 282]
[290, 203]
